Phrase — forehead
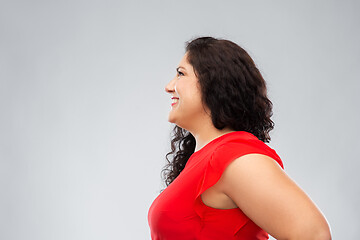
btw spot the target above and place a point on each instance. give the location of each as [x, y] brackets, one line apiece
[184, 63]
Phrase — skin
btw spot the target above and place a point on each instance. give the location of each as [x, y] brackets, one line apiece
[189, 113]
[277, 205]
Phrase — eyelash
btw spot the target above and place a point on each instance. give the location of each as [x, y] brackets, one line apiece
[179, 73]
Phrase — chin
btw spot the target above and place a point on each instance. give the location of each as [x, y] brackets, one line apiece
[171, 119]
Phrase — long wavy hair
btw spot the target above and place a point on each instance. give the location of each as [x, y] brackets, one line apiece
[232, 88]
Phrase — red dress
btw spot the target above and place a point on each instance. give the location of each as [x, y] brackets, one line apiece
[178, 213]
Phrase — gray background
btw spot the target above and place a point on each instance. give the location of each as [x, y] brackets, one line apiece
[83, 126]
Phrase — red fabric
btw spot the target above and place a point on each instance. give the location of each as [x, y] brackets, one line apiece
[178, 213]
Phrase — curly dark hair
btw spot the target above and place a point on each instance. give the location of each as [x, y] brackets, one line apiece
[232, 88]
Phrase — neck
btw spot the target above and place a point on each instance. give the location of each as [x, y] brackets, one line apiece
[206, 134]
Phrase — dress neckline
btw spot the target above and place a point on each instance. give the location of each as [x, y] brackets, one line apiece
[216, 139]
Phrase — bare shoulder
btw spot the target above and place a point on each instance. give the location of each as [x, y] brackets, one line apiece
[254, 175]
[257, 161]
[268, 196]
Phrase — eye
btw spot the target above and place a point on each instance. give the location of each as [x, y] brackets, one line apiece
[179, 73]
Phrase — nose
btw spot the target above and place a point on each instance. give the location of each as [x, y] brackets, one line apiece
[170, 87]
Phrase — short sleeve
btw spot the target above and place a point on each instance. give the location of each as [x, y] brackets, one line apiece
[224, 154]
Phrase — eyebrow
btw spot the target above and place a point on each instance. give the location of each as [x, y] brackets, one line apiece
[177, 69]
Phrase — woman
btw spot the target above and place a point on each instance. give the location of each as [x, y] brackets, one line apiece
[224, 182]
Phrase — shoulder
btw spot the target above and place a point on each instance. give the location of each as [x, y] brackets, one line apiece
[269, 197]
[240, 146]
[254, 165]
[249, 175]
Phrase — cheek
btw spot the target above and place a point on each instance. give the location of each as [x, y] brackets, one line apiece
[191, 101]
[189, 94]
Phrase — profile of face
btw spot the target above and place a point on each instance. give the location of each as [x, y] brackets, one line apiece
[187, 110]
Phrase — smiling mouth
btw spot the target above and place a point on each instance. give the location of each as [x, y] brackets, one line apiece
[175, 101]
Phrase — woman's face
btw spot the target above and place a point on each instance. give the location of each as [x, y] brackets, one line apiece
[187, 110]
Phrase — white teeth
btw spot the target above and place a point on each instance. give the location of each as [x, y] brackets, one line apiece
[175, 100]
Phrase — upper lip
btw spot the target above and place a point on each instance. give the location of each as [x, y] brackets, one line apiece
[174, 97]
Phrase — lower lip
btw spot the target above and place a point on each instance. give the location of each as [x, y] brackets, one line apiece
[173, 104]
